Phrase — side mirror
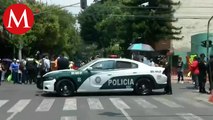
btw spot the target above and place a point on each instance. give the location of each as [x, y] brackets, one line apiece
[89, 69]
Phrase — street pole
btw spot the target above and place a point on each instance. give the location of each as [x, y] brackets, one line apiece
[207, 44]
[207, 54]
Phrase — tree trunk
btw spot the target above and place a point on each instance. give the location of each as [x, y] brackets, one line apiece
[19, 53]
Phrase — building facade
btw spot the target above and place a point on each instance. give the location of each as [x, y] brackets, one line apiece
[193, 16]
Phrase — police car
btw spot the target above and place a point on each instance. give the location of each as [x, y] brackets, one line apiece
[106, 75]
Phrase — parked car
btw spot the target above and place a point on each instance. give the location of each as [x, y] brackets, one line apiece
[105, 75]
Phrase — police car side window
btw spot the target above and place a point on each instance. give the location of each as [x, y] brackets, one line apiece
[134, 65]
[103, 65]
[124, 65]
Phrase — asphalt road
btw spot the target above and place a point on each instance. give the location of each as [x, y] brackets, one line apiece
[26, 102]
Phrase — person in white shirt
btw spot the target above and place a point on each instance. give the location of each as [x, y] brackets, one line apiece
[152, 63]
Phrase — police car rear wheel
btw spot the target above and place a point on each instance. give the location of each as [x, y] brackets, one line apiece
[142, 87]
[65, 88]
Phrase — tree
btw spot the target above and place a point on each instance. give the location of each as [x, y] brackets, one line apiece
[123, 21]
[54, 31]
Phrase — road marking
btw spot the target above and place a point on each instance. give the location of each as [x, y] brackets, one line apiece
[189, 116]
[45, 105]
[118, 103]
[95, 104]
[167, 102]
[126, 114]
[19, 106]
[12, 116]
[70, 104]
[68, 118]
[144, 103]
[2, 102]
[192, 102]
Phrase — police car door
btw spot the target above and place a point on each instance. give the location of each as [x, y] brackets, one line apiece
[103, 71]
[124, 75]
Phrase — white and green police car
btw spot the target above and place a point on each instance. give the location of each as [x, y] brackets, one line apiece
[106, 75]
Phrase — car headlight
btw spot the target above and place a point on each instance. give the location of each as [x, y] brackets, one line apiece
[48, 78]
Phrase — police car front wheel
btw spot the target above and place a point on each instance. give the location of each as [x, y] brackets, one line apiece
[65, 88]
[142, 87]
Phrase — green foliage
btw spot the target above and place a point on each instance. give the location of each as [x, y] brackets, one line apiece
[109, 22]
[54, 31]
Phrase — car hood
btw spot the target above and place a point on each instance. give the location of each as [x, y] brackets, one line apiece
[58, 71]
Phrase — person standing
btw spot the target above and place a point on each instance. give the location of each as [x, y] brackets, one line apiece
[195, 71]
[45, 65]
[23, 71]
[202, 76]
[14, 67]
[62, 62]
[165, 63]
[1, 71]
[210, 72]
[31, 67]
[180, 70]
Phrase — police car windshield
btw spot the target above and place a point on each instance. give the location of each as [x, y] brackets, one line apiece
[87, 65]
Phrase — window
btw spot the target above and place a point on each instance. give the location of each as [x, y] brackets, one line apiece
[122, 64]
[103, 65]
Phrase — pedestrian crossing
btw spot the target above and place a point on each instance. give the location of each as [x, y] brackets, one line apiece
[45, 105]
[19, 106]
[95, 103]
[70, 104]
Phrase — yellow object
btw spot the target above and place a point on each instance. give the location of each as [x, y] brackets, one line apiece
[189, 74]
[191, 59]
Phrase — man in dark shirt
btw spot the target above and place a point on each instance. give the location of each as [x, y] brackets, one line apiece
[210, 72]
[202, 76]
[62, 62]
[167, 72]
[31, 67]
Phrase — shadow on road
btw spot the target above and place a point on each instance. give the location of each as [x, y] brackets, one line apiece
[111, 114]
[46, 94]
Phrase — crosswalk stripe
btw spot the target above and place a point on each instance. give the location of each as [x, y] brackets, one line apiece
[189, 116]
[68, 118]
[2, 102]
[70, 104]
[193, 103]
[45, 105]
[167, 102]
[19, 106]
[144, 103]
[95, 104]
[118, 103]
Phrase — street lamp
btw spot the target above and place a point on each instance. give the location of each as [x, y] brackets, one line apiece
[207, 44]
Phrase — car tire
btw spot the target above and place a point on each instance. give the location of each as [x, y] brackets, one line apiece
[143, 87]
[65, 88]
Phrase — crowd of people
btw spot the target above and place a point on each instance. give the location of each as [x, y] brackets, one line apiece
[26, 71]
[200, 70]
